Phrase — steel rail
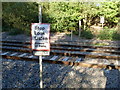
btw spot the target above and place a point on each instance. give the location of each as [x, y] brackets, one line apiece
[65, 62]
[66, 53]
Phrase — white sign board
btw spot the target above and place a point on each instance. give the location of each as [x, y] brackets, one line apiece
[40, 33]
[101, 19]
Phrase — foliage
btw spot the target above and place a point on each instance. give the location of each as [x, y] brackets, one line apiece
[110, 11]
[63, 16]
[109, 34]
[100, 44]
[87, 34]
[116, 36]
[19, 15]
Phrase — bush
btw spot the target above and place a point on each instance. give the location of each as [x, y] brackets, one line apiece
[5, 29]
[87, 34]
[76, 32]
[109, 34]
[18, 16]
[116, 36]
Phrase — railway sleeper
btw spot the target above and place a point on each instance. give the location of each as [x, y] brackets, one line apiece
[76, 61]
[63, 44]
[67, 53]
[68, 48]
[66, 62]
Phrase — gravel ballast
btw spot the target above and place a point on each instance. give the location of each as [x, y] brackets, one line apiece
[25, 74]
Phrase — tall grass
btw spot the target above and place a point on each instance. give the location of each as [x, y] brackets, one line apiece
[109, 34]
[87, 34]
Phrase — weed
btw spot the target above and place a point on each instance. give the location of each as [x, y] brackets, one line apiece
[101, 44]
[109, 34]
[87, 34]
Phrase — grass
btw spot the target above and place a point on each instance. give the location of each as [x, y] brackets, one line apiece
[84, 34]
[100, 44]
[109, 34]
[14, 31]
[105, 34]
[87, 34]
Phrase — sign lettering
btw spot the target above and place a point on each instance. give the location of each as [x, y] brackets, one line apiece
[40, 36]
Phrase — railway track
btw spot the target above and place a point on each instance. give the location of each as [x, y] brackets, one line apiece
[65, 53]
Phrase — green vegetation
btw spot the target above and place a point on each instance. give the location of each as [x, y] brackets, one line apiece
[63, 16]
[100, 44]
[109, 34]
[87, 34]
[18, 16]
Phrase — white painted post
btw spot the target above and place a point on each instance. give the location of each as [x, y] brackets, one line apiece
[71, 34]
[40, 64]
[79, 28]
[79, 31]
[40, 13]
[84, 23]
[102, 25]
[40, 57]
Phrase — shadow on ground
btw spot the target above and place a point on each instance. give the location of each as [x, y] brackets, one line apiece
[20, 74]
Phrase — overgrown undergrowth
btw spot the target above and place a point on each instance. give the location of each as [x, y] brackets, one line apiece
[106, 34]
[109, 34]
[14, 31]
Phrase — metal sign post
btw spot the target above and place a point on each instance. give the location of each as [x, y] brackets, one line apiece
[40, 42]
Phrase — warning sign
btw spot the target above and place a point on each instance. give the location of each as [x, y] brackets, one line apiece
[101, 19]
[40, 36]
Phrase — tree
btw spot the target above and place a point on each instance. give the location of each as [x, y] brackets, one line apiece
[110, 11]
[61, 15]
[19, 15]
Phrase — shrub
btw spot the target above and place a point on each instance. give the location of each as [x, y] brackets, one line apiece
[109, 34]
[116, 36]
[87, 34]
[18, 16]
